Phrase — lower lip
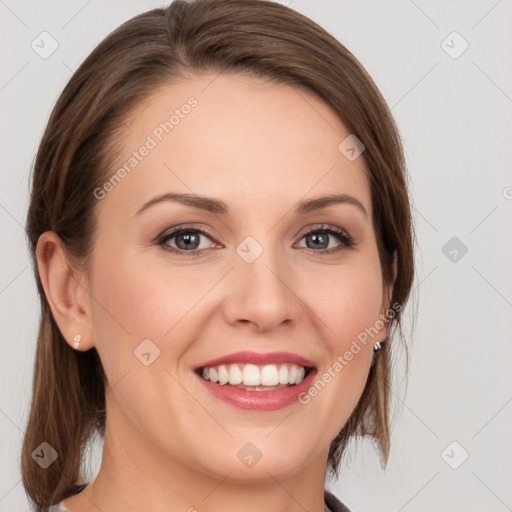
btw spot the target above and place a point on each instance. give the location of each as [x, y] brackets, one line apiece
[258, 400]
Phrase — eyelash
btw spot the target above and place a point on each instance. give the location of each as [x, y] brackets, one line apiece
[347, 242]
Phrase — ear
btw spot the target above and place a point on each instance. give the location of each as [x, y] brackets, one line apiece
[65, 289]
[386, 297]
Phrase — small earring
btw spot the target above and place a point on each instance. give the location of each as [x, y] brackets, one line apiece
[377, 346]
[77, 339]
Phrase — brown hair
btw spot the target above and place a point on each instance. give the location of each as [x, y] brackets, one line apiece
[258, 38]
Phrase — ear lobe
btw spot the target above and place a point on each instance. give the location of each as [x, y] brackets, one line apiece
[66, 296]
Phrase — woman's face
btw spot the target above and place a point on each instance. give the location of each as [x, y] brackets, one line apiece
[245, 277]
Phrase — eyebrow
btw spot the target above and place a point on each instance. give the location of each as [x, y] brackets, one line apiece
[219, 207]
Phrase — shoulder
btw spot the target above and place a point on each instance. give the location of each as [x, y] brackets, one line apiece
[333, 503]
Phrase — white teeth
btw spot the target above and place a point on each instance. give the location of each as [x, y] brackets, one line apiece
[283, 374]
[213, 375]
[292, 375]
[235, 375]
[269, 375]
[223, 375]
[251, 375]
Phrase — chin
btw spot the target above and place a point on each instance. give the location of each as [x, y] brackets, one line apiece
[250, 464]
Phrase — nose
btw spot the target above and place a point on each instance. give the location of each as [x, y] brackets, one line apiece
[263, 293]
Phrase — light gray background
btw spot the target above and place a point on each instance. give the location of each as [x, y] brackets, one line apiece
[454, 115]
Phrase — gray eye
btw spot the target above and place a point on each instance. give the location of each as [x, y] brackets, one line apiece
[187, 240]
[319, 240]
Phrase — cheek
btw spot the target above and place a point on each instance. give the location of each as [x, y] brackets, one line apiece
[135, 301]
[348, 302]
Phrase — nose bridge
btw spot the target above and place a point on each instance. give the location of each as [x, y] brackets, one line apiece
[262, 292]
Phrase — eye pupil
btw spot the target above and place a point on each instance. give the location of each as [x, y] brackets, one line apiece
[316, 238]
[190, 241]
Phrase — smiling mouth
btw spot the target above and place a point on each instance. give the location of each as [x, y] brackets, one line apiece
[251, 377]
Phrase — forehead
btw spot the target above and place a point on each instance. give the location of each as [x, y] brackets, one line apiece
[247, 141]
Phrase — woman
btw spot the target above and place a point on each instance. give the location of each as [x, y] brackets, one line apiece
[222, 242]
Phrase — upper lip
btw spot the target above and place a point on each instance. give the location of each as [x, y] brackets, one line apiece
[258, 358]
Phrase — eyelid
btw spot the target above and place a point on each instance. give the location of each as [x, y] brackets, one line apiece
[321, 227]
[175, 230]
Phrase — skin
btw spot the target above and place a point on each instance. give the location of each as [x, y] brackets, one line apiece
[260, 148]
